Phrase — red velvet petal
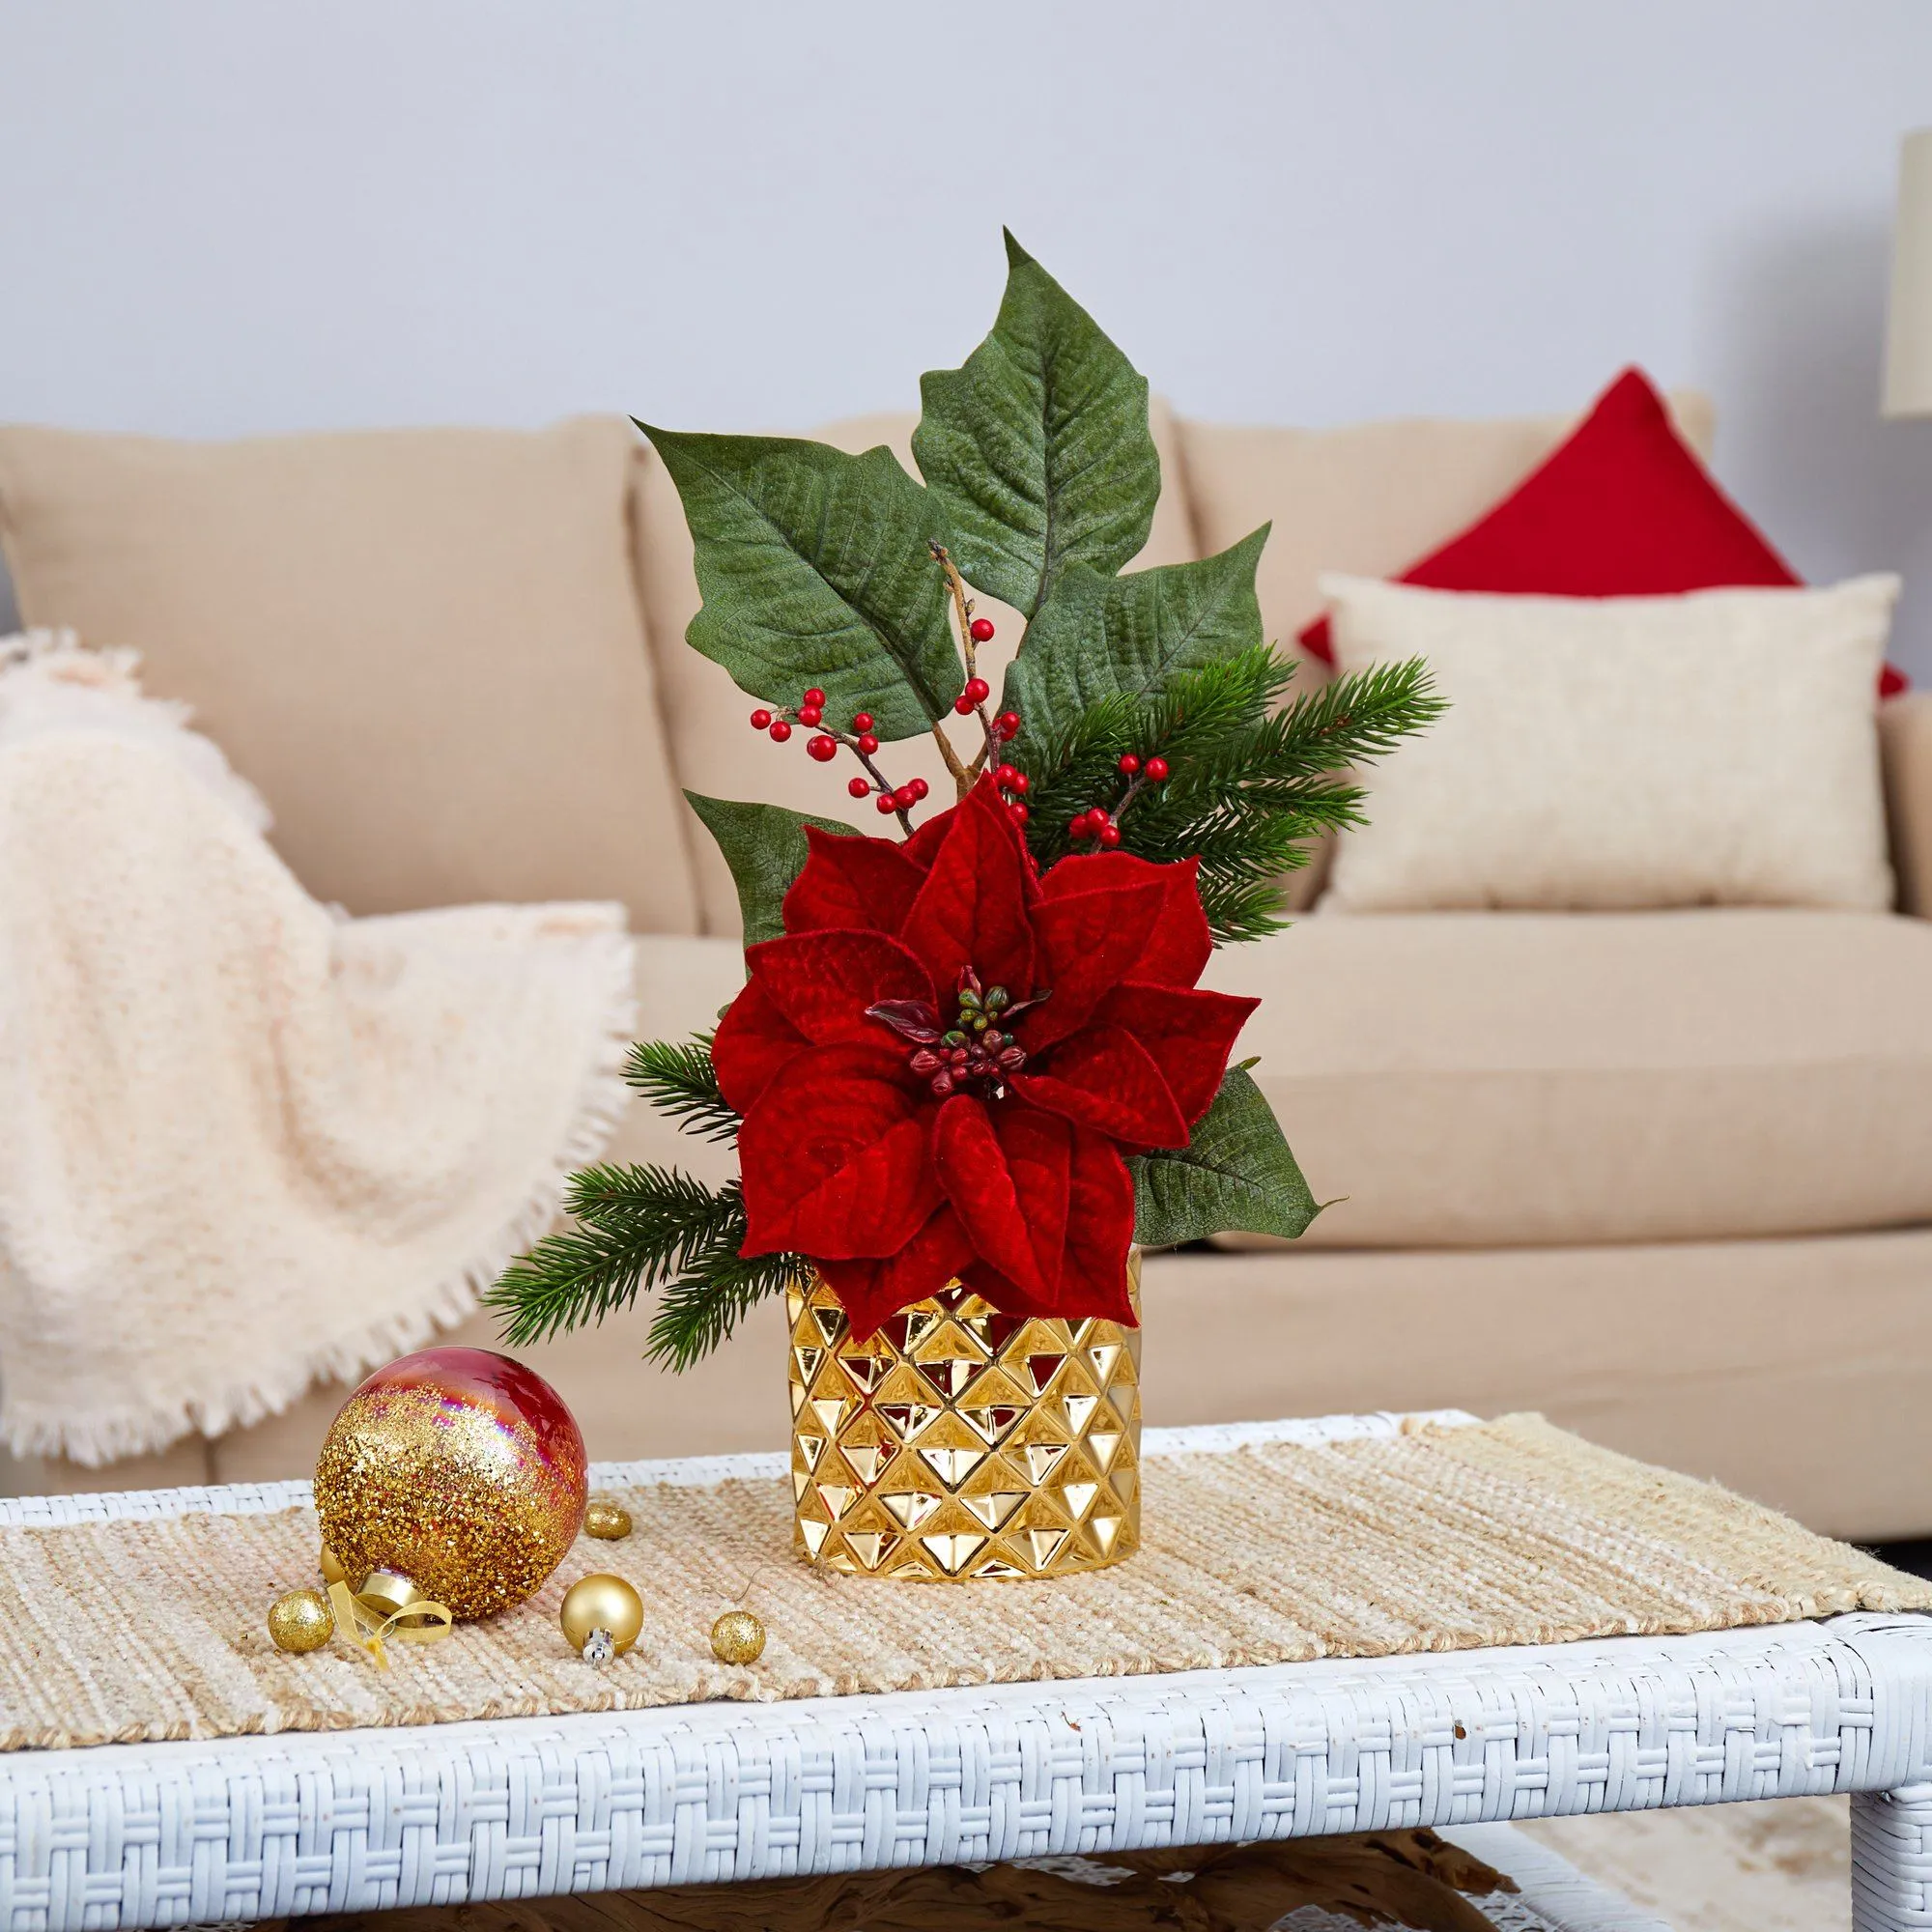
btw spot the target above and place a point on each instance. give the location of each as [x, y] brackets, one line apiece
[753, 1041]
[823, 982]
[1099, 1230]
[1188, 1033]
[1105, 1079]
[835, 1159]
[1178, 947]
[1088, 943]
[872, 1291]
[922, 847]
[972, 911]
[1007, 1180]
[851, 882]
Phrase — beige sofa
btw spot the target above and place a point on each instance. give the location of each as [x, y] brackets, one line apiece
[1663, 1176]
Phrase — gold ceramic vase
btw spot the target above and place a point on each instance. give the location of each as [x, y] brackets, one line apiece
[959, 1442]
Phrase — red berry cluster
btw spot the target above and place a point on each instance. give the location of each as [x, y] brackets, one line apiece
[1097, 822]
[824, 747]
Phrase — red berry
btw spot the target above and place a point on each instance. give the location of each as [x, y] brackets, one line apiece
[761, 719]
[1020, 814]
[1110, 835]
[886, 804]
[1020, 782]
[868, 743]
[1079, 826]
[813, 696]
[780, 731]
[981, 629]
[978, 690]
[919, 789]
[963, 705]
[1157, 769]
[861, 721]
[904, 799]
[1098, 817]
[1129, 764]
[858, 787]
[1007, 723]
[811, 716]
[824, 750]
[1007, 778]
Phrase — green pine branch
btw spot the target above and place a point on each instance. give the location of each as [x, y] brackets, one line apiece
[1252, 783]
[678, 1078]
[637, 1229]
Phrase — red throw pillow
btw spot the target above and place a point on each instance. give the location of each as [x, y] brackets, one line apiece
[1621, 508]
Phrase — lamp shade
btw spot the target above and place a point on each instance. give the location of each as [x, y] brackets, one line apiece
[1908, 335]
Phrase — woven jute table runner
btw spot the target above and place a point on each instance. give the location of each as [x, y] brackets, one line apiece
[1439, 1538]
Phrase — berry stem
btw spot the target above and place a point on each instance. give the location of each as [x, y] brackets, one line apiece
[851, 743]
[962, 610]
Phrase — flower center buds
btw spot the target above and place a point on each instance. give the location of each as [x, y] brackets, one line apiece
[975, 1054]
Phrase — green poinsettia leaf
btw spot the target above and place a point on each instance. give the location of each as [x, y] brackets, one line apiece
[764, 845]
[1235, 1173]
[816, 568]
[1128, 636]
[1038, 446]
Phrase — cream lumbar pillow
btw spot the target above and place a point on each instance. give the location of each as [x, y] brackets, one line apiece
[1715, 748]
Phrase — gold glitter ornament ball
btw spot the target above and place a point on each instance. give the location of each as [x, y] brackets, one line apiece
[602, 1616]
[607, 1521]
[301, 1621]
[737, 1637]
[459, 1469]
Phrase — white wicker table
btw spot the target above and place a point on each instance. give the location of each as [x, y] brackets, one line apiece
[266, 1827]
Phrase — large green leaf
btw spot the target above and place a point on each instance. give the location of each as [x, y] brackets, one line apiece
[816, 568]
[1127, 637]
[764, 845]
[1038, 447]
[1235, 1173]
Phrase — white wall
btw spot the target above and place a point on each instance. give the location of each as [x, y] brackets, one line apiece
[218, 218]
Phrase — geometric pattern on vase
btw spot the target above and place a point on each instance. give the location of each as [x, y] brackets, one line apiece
[958, 1443]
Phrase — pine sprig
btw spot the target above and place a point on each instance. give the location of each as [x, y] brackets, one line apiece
[678, 1078]
[642, 1228]
[1252, 783]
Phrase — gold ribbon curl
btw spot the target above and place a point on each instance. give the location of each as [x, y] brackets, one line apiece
[366, 1623]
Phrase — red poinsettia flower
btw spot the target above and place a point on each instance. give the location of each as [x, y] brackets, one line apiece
[942, 1063]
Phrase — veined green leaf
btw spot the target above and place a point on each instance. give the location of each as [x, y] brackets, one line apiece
[816, 568]
[1038, 446]
[764, 845]
[1235, 1173]
[1127, 637]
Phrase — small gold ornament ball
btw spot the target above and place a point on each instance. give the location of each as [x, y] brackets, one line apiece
[737, 1637]
[607, 1521]
[602, 1616]
[301, 1621]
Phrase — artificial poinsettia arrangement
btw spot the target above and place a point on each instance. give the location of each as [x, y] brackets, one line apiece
[977, 1050]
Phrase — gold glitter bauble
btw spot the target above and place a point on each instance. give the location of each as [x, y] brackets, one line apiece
[607, 1521]
[330, 1566]
[459, 1469]
[602, 1604]
[738, 1637]
[301, 1621]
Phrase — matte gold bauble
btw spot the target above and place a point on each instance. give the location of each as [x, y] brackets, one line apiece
[301, 1621]
[738, 1637]
[330, 1566]
[602, 1616]
[459, 1469]
[607, 1521]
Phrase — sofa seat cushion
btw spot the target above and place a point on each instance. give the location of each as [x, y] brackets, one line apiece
[423, 646]
[1480, 1079]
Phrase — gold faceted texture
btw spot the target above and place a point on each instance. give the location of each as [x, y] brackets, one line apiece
[959, 1442]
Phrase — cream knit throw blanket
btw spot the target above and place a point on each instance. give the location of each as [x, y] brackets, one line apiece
[246, 1141]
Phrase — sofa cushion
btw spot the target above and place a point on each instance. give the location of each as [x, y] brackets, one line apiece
[1369, 499]
[1471, 1079]
[714, 749]
[422, 645]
